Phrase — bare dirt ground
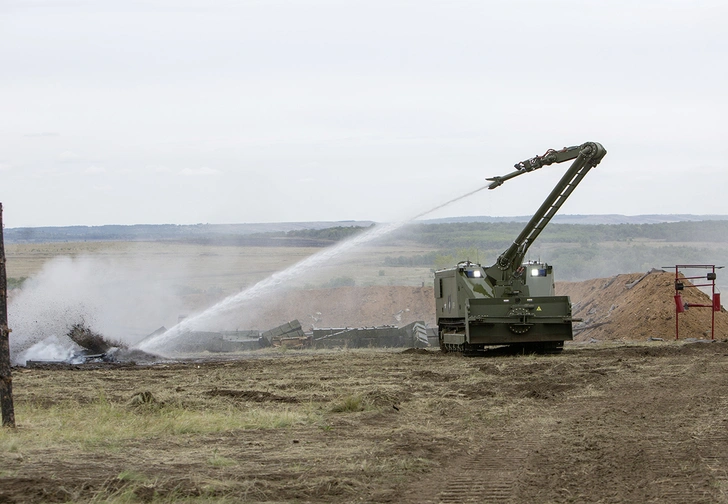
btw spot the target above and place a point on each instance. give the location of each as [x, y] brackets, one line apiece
[346, 307]
[622, 420]
[598, 423]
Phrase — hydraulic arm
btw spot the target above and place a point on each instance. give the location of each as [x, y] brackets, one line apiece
[585, 156]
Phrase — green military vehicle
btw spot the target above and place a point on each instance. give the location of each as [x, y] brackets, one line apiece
[512, 302]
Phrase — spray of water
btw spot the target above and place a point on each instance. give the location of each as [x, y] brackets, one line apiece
[162, 342]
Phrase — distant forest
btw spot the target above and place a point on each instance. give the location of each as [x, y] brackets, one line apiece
[445, 235]
[578, 251]
[303, 234]
[502, 234]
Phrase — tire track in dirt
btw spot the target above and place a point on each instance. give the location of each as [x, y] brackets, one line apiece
[490, 474]
[638, 442]
[688, 465]
[713, 454]
[673, 474]
[689, 471]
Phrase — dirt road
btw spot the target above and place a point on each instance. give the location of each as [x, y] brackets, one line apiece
[603, 423]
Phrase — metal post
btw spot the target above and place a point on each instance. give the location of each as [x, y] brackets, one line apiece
[713, 301]
[6, 379]
[712, 311]
[677, 313]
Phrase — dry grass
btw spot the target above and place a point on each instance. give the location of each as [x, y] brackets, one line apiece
[104, 425]
[374, 425]
[348, 404]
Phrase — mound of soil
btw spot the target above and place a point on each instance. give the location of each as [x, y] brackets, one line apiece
[638, 306]
[628, 307]
[349, 307]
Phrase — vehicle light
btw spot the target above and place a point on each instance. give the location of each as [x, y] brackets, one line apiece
[534, 272]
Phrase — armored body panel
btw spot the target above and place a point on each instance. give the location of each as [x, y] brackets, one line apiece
[470, 317]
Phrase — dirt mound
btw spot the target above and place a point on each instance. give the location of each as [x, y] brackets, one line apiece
[638, 306]
[350, 307]
[629, 307]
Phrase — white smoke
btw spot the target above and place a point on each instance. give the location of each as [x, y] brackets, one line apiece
[52, 348]
[121, 301]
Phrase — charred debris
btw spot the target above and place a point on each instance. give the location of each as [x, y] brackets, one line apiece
[95, 349]
[291, 335]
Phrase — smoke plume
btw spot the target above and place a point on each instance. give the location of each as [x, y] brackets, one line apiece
[122, 302]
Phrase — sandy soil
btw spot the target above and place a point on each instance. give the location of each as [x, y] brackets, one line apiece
[639, 306]
[345, 307]
[598, 423]
[628, 307]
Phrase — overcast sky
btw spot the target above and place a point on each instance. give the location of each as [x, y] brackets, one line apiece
[124, 112]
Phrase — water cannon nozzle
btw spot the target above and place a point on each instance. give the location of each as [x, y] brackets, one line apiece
[495, 182]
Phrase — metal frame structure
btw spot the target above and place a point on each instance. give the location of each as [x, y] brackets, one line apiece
[680, 306]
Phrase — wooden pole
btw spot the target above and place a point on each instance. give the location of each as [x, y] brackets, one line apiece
[6, 379]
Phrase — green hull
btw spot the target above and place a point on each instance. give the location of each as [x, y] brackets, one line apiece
[501, 321]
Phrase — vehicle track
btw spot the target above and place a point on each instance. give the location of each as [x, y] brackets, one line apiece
[490, 474]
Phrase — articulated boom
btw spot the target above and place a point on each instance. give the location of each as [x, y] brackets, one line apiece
[586, 157]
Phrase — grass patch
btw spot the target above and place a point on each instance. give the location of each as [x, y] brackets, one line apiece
[348, 404]
[104, 424]
[220, 461]
[9, 442]
[131, 475]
